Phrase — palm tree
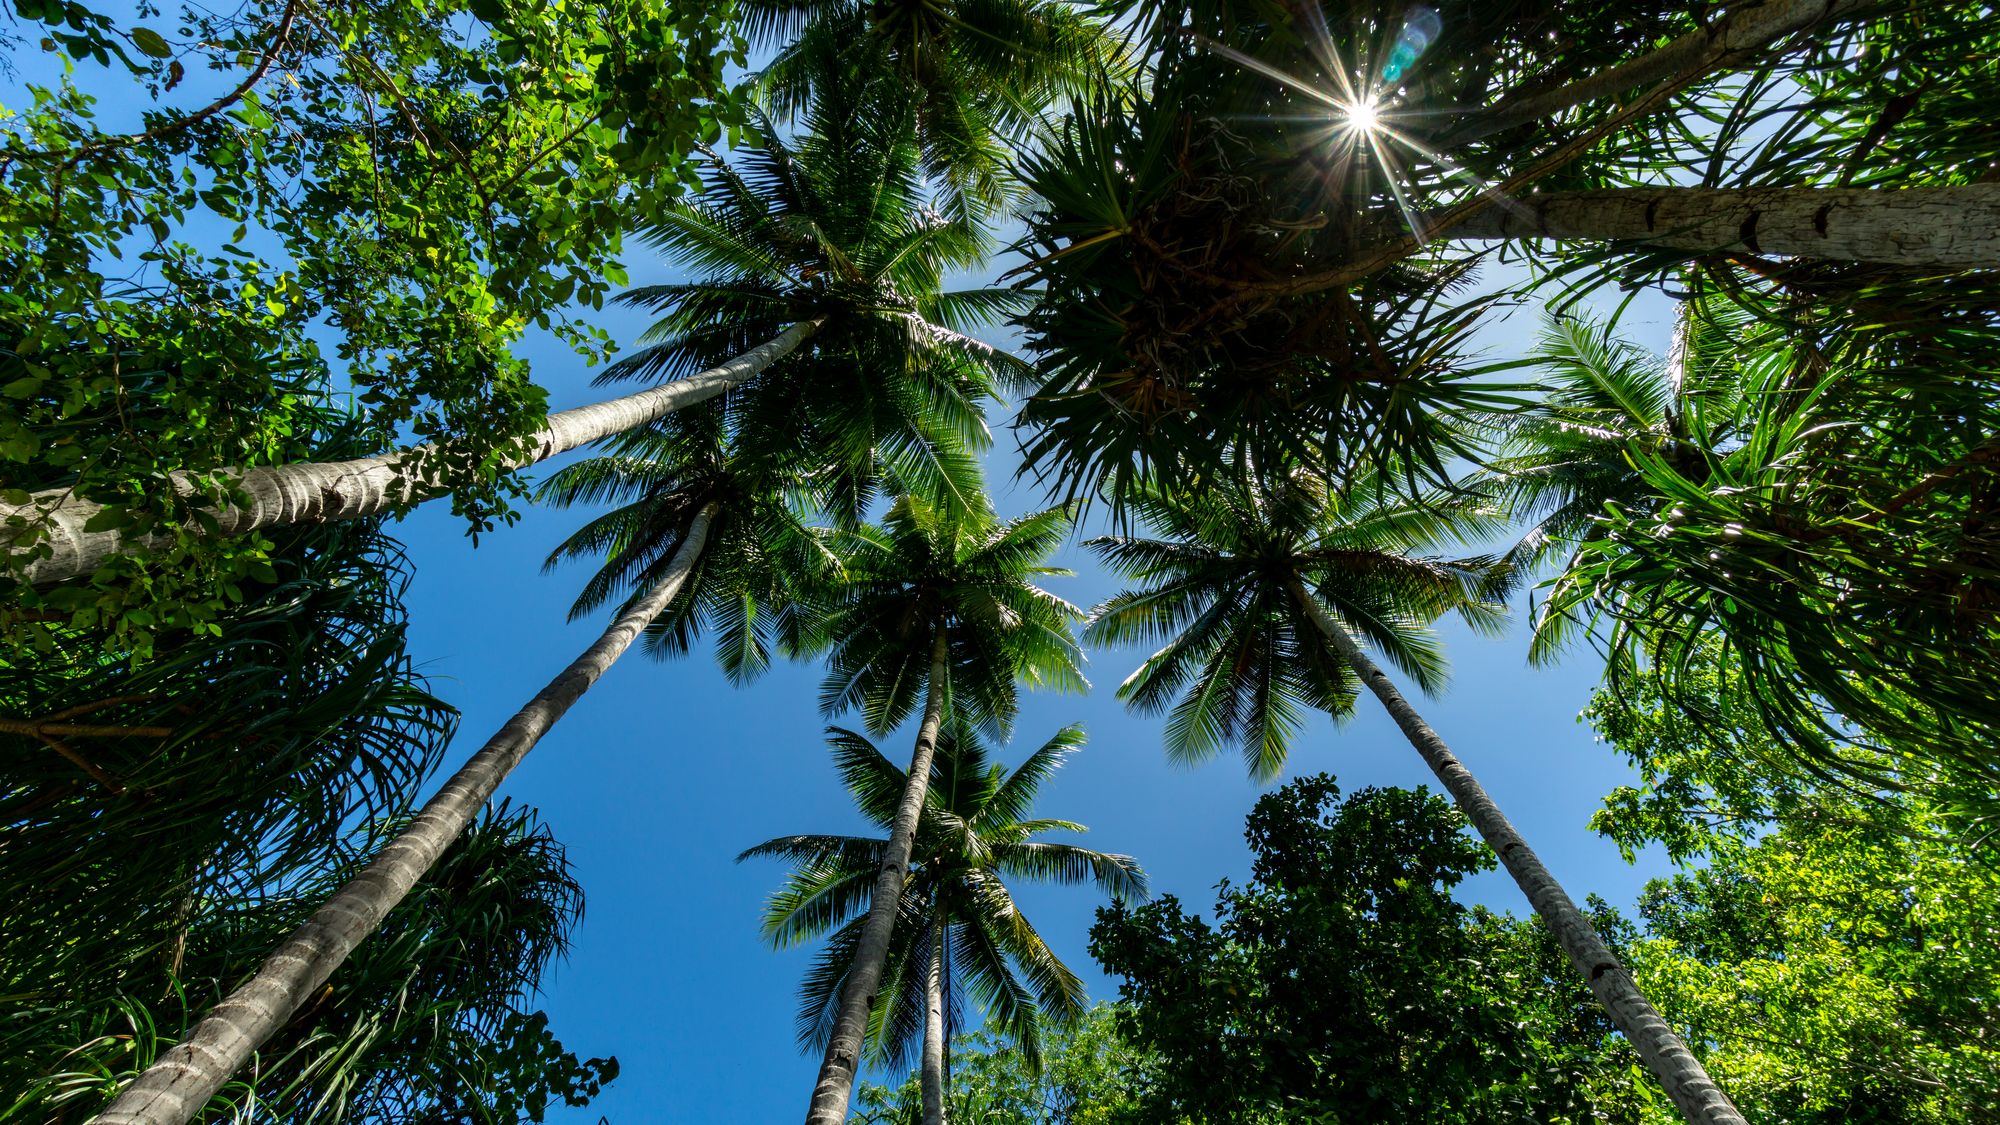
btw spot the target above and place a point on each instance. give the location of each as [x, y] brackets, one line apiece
[960, 928]
[1259, 589]
[978, 75]
[936, 608]
[658, 545]
[1820, 506]
[819, 302]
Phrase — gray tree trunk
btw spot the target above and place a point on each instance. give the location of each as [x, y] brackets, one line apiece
[1943, 228]
[1686, 1082]
[1738, 37]
[319, 492]
[180, 1083]
[933, 1062]
[835, 1084]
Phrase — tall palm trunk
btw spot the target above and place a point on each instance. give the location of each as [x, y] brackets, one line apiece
[1945, 228]
[1734, 36]
[835, 1084]
[319, 492]
[933, 1062]
[1686, 1082]
[178, 1086]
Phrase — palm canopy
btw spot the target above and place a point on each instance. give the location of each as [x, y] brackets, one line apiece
[759, 549]
[1604, 399]
[1220, 590]
[927, 572]
[975, 832]
[977, 73]
[1822, 509]
[836, 227]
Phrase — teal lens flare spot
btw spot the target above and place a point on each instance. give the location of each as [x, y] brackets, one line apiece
[1420, 29]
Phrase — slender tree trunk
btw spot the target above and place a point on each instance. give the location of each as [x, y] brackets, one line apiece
[178, 1086]
[835, 1084]
[1943, 228]
[1740, 35]
[320, 492]
[1687, 1083]
[933, 1063]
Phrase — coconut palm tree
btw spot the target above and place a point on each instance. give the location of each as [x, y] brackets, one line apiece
[960, 928]
[936, 608]
[978, 75]
[818, 300]
[657, 545]
[1263, 591]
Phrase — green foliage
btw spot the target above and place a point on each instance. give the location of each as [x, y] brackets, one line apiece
[975, 832]
[976, 74]
[1820, 502]
[1221, 591]
[1087, 1075]
[1836, 957]
[225, 765]
[934, 572]
[425, 1022]
[837, 225]
[399, 190]
[1343, 983]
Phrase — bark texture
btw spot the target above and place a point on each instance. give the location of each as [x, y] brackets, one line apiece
[933, 1063]
[1738, 37]
[1686, 1082]
[177, 1087]
[1946, 228]
[835, 1084]
[319, 492]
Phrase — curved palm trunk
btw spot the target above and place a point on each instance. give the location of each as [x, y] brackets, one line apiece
[835, 1084]
[319, 492]
[1946, 228]
[1687, 1083]
[1736, 37]
[933, 1065]
[178, 1086]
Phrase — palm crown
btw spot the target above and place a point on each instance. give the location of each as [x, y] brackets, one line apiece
[838, 228]
[966, 577]
[758, 550]
[975, 831]
[1221, 587]
[976, 73]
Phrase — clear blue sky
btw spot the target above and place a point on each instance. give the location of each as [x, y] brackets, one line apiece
[664, 772]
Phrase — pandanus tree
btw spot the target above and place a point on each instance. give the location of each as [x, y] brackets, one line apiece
[978, 75]
[1238, 253]
[433, 1021]
[1822, 508]
[1263, 588]
[936, 609]
[818, 299]
[659, 545]
[959, 929]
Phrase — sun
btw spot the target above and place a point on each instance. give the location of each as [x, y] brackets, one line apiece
[1362, 116]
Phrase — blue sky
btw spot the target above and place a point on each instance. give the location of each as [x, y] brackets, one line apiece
[664, 772]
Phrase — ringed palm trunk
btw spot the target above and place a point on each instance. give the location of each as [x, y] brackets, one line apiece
[1944, 228]
[835, 1084]
[178, 1086]
[933, 1063]
[1687, 1083]
[320, 492]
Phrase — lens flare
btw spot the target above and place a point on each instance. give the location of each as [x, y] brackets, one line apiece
[1420, 29]
[1363, 116]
